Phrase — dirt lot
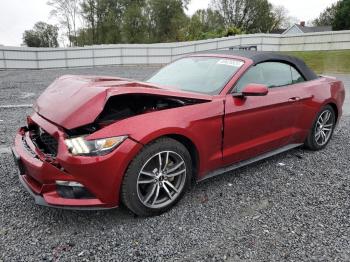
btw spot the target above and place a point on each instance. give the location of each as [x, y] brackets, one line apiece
[294, 206]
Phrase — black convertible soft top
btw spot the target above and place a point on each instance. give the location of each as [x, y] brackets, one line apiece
[262, 56]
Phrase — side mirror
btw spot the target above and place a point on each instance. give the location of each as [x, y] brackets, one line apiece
[255, 90]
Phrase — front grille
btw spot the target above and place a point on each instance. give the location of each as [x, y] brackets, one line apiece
[44, 141]
[27, 147]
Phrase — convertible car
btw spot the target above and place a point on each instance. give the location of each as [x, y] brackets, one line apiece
[97, 142]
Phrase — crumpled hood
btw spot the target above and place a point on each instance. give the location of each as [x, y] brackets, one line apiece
[74, 101]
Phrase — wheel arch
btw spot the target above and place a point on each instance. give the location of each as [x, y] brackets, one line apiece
[192, 149]
[185, 139]
[335, 108]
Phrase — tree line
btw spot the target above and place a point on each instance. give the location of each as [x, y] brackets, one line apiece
[93, 22]
[337, 16]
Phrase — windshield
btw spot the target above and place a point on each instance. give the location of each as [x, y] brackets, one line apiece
[206, 75]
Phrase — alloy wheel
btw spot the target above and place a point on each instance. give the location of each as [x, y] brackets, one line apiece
[161, 179]
[324, 127]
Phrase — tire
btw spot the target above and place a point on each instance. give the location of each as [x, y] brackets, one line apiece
[144, 177]
[318, 139]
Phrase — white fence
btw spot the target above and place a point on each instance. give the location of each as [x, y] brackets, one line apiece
[40, 58]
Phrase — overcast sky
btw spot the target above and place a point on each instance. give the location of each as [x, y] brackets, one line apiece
[19, 15]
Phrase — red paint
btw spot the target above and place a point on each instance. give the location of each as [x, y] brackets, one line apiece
[224, 129]
[255, 90]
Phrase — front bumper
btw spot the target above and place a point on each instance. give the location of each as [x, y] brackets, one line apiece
[101, 176]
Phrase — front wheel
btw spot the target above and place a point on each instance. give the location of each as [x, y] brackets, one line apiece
[322, 129]
[157, 178]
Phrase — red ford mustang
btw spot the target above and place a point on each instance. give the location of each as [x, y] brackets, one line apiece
[96, 142]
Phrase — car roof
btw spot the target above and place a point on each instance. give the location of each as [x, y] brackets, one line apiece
[262, 56]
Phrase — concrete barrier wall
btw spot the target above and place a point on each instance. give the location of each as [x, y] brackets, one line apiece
[120, 54]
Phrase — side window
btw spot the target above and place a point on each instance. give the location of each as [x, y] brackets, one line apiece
[296, 76]
[271, 74]
[253, 75]
[276, 74]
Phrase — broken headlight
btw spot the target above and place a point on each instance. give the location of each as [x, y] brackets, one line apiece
[80, 147]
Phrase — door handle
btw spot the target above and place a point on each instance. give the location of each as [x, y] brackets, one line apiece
[294, 99]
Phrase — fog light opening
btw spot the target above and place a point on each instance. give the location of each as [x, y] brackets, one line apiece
[68, 183]
[73, 190]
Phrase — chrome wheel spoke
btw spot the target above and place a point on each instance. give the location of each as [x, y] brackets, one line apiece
[147, 174]
[172, 169]
[318, 138]
[176, 173]
[321, 119]
[323, 136]
[326, 117]
[167, 191]
[145, 181]
[157, 194]
[160, 161]
[150, 193]
[166, 161]
[171, 186]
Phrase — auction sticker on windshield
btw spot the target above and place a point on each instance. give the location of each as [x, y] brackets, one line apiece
[230, 62]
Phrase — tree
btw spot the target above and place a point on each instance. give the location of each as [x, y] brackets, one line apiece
[336, 15]
[281, 19]
[342, 16]
[42, 35]
[211, 19]
[261, 13]
[67, 12]
[105, 19]
[204, 24]
[88, 11]
[326, 18]
[167, 20]
[135, 22]
[149, 21]
[251, 16]
[232, 31]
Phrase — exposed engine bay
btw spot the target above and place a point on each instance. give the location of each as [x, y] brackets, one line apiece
[129, 105]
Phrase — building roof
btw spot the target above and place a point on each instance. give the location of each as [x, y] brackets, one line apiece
[309, 29]
[313, 29]
[261, 56]
[278, 31]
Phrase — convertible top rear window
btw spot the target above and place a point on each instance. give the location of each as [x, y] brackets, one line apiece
[207, 75]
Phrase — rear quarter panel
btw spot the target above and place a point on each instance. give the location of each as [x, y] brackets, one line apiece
[326, 90]
[314, 95]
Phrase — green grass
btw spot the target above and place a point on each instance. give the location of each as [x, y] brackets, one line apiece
[325, 61]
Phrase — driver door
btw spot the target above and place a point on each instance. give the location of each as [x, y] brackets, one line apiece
[254, 125]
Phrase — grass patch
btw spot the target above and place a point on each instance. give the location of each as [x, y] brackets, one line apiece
[325, 61]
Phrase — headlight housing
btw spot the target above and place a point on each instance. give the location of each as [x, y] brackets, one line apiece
[78, 146]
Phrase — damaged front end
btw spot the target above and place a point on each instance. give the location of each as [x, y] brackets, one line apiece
[61, 150]
[76, 140]
[81, 104]
[118, 108]
[57, 176]
[125, 106]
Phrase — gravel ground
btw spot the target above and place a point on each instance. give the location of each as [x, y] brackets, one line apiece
[294, 206]
[23, 86]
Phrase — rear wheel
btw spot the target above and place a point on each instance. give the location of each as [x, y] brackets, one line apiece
[322, 129]
[157, 178]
